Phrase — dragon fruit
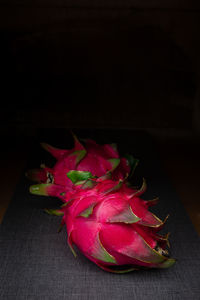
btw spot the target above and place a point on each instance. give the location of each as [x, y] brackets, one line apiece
[105, 218]
[99, 160]
[112, 226]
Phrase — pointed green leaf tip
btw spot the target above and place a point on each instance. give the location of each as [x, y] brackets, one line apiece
[55, 212]
[78, 145]
[114, 188]
[141, 190]
[114, 162]
[86, 184]
[99, 252]
[106, 176]
[116, 270]
[87, 212]
[123, 271]
[60, 227]
[40, 189]
[76, 176]
[126, 216]
[168, 263]
[69, 241]
[80, 154]
[133, 162]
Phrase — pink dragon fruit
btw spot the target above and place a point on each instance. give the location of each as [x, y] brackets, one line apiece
[98, 160]
[111, 225]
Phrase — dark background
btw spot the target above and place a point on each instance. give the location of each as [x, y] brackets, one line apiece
[99, 64]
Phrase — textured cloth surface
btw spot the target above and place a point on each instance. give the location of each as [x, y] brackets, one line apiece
[36, 262]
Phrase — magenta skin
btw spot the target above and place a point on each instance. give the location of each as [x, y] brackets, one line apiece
[113, 227]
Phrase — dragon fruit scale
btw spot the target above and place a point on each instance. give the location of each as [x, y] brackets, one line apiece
[112, 226]
[99, 160]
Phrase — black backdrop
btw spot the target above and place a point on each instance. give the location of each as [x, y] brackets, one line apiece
[82, 64]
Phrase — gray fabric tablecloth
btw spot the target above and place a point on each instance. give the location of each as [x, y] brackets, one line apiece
[36, 262]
